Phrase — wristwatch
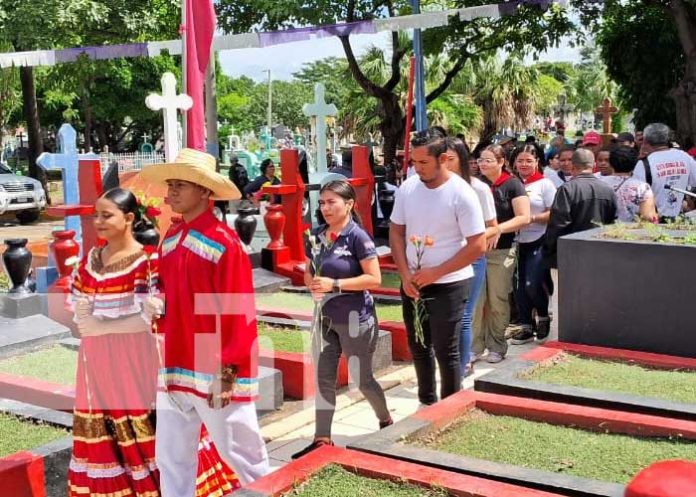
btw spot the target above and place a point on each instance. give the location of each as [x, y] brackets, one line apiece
[337, 286]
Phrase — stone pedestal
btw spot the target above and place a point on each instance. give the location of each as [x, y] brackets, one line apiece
[18, 306]
[270, 390]
[17, 335]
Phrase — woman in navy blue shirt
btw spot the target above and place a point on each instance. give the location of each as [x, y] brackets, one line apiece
[345, 258]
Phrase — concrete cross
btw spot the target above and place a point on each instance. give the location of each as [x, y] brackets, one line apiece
[606, 110]
[320, 110]
[169, 103]
[67, 161]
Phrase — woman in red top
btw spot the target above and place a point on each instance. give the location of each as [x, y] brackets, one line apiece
[114, 423]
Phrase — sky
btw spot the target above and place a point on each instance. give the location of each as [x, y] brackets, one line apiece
[284, 60]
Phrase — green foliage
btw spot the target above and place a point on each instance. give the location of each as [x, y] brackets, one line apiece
[640, 46]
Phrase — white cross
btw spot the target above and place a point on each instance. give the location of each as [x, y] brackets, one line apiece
[320, 110]
[169, 103]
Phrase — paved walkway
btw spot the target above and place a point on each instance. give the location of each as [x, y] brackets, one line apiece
[354, 417]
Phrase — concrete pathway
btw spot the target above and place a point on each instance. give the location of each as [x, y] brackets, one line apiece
[354, 417]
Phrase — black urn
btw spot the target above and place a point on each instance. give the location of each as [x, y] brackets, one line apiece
[17, 260]
[245, 224]
[147, 235]
[386, 203]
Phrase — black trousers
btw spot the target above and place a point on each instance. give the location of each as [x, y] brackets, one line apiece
[444, 305]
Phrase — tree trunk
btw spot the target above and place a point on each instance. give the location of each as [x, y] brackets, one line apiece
[87, 111]
[684, 95]
[391, 126]
[31, 115]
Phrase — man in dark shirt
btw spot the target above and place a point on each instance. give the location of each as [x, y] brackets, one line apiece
[581, 204]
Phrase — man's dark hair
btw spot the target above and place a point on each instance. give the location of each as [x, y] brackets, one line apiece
[265, 164]
[623, 159]
[440, 129]
[431, 138]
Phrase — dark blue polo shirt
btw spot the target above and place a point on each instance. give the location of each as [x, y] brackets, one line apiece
[342, 260]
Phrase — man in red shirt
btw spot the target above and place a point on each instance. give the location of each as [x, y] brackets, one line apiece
[210, 361]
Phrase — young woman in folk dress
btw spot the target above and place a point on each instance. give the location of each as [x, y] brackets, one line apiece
[114, 421]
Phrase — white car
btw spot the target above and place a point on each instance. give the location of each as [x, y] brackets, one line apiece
[20, 194]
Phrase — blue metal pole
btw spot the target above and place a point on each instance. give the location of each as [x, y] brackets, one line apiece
[421, 114]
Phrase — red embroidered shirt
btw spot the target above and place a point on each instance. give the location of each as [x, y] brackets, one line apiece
[210, 318]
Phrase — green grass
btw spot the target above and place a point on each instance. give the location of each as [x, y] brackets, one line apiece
[16, 434]
[570, 370]
[57, 364]
[4, 282]
[303, 302]
[391, 280]
[336, 481]
[600, 456]
[284, 339]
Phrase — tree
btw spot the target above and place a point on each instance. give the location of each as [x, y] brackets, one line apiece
[44, 24]
[462, 40]
[649, 47]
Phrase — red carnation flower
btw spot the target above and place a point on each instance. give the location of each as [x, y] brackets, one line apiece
[152, 212]
[333, 237]
[149, 249]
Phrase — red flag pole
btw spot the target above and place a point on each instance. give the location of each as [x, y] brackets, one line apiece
[184, 87]
[409, 115]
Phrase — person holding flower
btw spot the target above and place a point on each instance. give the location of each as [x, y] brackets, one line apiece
[252, 191]
[435, 276]
[114, 423]
[341, 267]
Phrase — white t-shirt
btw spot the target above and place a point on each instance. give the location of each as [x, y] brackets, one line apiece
[485, 196]
[448, 214]
[541, 194]
[630, 192]
[668, 167]
[552, 175]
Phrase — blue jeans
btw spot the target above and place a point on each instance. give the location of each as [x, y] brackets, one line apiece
[479, 266]
[531, 290]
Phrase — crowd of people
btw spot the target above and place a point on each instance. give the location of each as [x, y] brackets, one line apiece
[481, 253]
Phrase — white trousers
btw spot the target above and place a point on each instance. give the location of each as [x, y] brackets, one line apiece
[234, 430]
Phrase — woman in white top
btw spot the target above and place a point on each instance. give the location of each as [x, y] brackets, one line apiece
[634, 198]
[458, 162]
[532, 288]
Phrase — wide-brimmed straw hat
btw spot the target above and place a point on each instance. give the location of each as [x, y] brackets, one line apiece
[195, 167]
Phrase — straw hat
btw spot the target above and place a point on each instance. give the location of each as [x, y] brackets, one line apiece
[195, 167]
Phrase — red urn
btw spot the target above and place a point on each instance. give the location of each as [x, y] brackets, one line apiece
[275, 222]
[63, 247]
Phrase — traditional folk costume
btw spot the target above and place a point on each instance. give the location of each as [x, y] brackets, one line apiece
[209, 326]
[114, 425]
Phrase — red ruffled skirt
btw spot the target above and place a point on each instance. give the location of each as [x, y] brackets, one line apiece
[114, 424]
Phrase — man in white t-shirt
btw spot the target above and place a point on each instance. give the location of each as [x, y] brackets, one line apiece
[662, 167]
[440, 206]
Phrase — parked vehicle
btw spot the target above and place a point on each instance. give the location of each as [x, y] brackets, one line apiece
[20, 194]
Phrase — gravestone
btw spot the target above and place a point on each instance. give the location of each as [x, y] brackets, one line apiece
[169, 103]
[319, 110]
[67, 161]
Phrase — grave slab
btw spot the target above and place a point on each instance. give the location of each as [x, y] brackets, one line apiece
[510, 381]
[268, 282]
[429, 420]
[375, 467]
[18, 335]
[20, 306]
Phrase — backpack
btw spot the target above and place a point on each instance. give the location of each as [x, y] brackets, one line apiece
[648, 172]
